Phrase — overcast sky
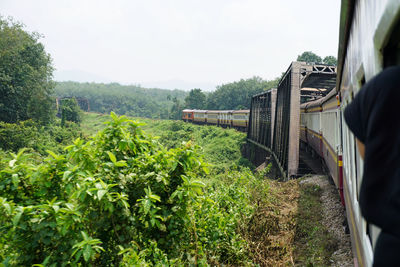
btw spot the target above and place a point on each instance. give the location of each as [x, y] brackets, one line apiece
[177, 43]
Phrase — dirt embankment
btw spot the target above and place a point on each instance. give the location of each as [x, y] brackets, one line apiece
[299, 225]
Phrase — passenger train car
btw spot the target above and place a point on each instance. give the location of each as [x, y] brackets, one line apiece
[319, 129]
[369, 41]
[238, 119]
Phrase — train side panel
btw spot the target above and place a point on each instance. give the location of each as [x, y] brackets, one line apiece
[213, 117]
[225, 119]
[330, 133]
[187, 115]
[240, 118]
[200, 116]
[312, 121]
[368, 29]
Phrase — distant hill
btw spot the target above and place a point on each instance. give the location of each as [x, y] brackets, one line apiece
[123, 99]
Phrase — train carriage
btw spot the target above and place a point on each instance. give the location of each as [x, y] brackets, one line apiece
[368, 42]
[240, 118]
[213, 117]
[200, 116]
[225, 118]
[330, 138]
[310, 128]
[187, 115]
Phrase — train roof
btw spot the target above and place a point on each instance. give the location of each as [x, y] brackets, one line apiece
[346, 19]
[188, 110]
[320, 101]
[321, 77]
[241, 111]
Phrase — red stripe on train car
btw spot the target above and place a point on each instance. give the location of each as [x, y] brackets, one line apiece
[340, 166]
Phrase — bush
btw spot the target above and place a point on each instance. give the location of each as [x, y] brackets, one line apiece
[120, 198]
[29, 134]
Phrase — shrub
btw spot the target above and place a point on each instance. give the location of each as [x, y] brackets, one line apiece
[119, 198]
[29, 134]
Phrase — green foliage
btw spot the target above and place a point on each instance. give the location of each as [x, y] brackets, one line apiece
[330, 60]
[176, 109]
[25, 76]
[70, 111]
[237, 95]
[309, 57]
[119, 199]
[314, 243]
[221, 148]
[122, 99]
[195, 100]
[28, 134]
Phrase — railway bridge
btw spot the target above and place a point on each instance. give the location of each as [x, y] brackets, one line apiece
[274, 123]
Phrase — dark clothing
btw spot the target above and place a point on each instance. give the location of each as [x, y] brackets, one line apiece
[386, 251]
[374, 118]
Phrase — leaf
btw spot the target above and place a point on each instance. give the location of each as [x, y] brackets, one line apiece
[66, 174]
[87, 252]
[197, 183]
[112, 157]
[70, 206]
[100, 193]
[174, 166]
[84, 235]
[146, 206]
[56, 208]
[17, 217]
[20, 152]
[68, 147]
[12, 162]
[7, 207]
[113, 116]
[15, 179]
[154, 198]
[54, 155]
[121, 163]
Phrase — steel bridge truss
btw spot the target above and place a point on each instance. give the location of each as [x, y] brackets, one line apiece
[275, 115]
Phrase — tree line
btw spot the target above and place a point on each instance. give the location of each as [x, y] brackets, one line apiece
[238, 94]
[123, 99]
[235, 95]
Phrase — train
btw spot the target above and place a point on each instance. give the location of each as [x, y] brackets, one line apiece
[237, 119]
[369, 41]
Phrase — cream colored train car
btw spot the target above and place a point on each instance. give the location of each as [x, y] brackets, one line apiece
[369, 41]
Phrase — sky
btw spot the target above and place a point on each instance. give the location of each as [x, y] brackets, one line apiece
[180, 44]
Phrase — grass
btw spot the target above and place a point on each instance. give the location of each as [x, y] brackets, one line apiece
[314, 244]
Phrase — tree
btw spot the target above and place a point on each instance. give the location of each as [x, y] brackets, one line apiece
[309, 57]
[330, 60]
[122, 99]
[70, 111]
[196, 99]
[237, 95]
[176, 110]
[26, 71]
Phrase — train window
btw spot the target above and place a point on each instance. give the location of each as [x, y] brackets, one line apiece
[391, 52]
